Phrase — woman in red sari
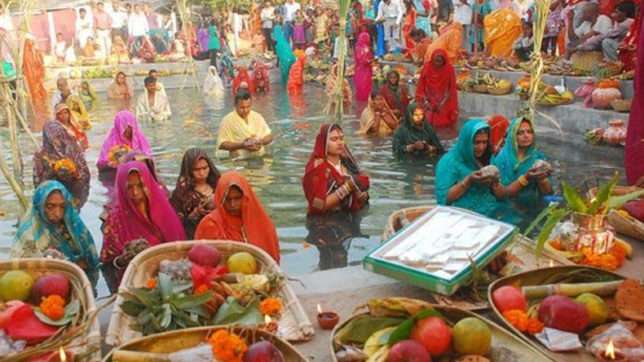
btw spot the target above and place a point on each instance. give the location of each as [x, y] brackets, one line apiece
[634, 151]
[396, 94]
[436, 91]
[332, 180]
[33, 68]
[261, 79]
[409, 24]
[498, 128]
[628, 48]
[241, 78]
[239, 216]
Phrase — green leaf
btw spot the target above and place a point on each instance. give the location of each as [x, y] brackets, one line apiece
[616, 202]
[359, 329]
[132, 308]
[166, 316]
[147, 297]
[553, 219]
[404, 329]
[232, 312]
[71, 310]
[602, 195]
[573, 199]
[537, 221]
[165, 285]
[190, 301]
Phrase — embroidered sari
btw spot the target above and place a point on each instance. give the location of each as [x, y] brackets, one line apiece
[408, 133]
[377, 117]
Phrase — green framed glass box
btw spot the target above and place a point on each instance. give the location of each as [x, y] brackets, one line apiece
[437, 250]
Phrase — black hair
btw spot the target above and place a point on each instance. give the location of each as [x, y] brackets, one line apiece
[485, 159]
[242, 95]
[152, 71]
[627, 8]
[149, 80]
[82, 10]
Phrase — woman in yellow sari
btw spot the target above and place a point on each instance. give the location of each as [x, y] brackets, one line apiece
[502, 28]
[378, 118]
[77, 109]
[450, 39]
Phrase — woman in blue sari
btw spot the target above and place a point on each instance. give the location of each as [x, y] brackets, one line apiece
[53, 227]
[523, 172]
[284, 53]
[459, 177]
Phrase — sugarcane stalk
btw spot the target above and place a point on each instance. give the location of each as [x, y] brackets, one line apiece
[15, 186]
[539, 26]
[571, 289]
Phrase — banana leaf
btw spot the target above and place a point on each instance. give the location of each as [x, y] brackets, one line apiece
[537, 221]
[231, 312]
[603, 195]
[615, 202]
[359, 329]
[553, 219]
[396, 307]
[71, 310]
[573, 199]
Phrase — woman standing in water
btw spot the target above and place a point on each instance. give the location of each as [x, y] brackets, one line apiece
[124, 137]
[415, 138]
[436, 91]
[53, 227]
[61, 158]
[193, 197]
[363, 71]
[332, 180]
[239, 216]
[120, 89]
[459, 177]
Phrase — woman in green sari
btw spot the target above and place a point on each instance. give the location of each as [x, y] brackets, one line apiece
[284, 53]
[462, 178]
[415, 138]
[523, 169]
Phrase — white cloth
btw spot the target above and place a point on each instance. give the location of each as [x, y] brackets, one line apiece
[267, 15]
[56, 98]
[84, 29]
[137, 25]
[289, 10]
[392, 12]
[158, 112]
[603, 26]
[213, 86]
[104, 41]
[463, 12]
[59, 49]
[119, 19]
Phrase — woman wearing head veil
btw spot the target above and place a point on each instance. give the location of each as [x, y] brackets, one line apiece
[436, 91]
[363, 71]
[415, 138]
[284, 53]
[239, 216]
[193, 197]
[332, 180]
[61, 158]
[124, 137]
[53, 227]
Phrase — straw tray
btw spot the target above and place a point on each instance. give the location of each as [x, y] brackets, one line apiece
[173, 341]
[294, 324]
[480, 88]
[625, 225]
[621, 105]
[521, 249]
[500, 91]
[505, 346]
[82, 336]
[550, 276]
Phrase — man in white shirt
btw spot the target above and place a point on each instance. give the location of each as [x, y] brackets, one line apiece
[103, 27]
[137, 26]
[390, 13]
[594, 27]
[463, 15]
[290, 8]
[84, 27]
[268, 16]
[119, 21]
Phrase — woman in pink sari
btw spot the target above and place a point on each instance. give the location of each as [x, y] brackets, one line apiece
[142, 214]
[363, 73]
[634, 153]
[124, 137]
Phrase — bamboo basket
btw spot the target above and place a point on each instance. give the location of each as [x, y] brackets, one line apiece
[480, 88]
[294, 325]
[504, 343]
[621, 105]
[542, 277]
[173, 341]
[83, 336]
[521, 248]
[500, 91]
[622, 224]
[586, 61]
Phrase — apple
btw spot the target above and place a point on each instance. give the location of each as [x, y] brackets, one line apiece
[434, 334]
[263, 351]
[204, 255]
[49, 284]
[563, 313]
[508, 298]
[408, 351]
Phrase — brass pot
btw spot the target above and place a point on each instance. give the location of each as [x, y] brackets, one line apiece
[590, 223]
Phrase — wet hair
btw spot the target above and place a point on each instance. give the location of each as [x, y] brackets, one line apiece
[627, 8]
[149, 80]
[242, 95]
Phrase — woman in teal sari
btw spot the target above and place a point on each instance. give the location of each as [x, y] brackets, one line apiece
[460, 178]
[284, 53]
[53, 227]
[523, 170]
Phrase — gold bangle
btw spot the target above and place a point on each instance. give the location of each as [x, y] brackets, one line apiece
[523, 181]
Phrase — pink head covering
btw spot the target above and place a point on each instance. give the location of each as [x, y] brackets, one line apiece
[127, 223]
[122, 120]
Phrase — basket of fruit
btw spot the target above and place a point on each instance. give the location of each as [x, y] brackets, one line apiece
[203, 344]
[47, 307]
[500, 87]
[572, 312]
[188, 284]
[621, 105]
[403, 329]
[629, 219]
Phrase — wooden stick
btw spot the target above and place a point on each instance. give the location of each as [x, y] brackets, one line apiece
[571, 289]
[14, 184]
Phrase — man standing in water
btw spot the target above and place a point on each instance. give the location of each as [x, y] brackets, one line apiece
[244, 132]
[152, 105]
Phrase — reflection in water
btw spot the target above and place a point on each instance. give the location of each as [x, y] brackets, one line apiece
[332, 234]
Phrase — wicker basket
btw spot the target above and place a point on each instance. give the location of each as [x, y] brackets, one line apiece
[294, 323]
[500, 91]
[86, 345]
[503, 342]
[173, 341]
[479, 88]
[621, 105]
[628, 226]
[586, 61]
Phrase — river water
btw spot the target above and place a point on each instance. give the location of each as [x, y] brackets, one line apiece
[306, 244]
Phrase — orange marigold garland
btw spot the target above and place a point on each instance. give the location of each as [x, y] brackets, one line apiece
[53, 307]
[151, 283]
[271, 306]
[227, 347]
[521, 321]
[609, 261]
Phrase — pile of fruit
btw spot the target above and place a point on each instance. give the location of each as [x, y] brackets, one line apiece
[581, 314]
[481, 61]
[401, 329]
[485, 82]
[33, 309]
[204, 288]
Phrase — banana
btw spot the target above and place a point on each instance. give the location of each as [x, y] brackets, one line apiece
[627, 247]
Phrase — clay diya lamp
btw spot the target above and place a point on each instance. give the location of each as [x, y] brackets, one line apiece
[611, 354]
[61, 356]
[327, 320]
[270, 325]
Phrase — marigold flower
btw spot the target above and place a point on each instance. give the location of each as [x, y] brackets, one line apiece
[271, 306]
[521, 321]
[151, 283]
[53, 307]
[227, 347]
